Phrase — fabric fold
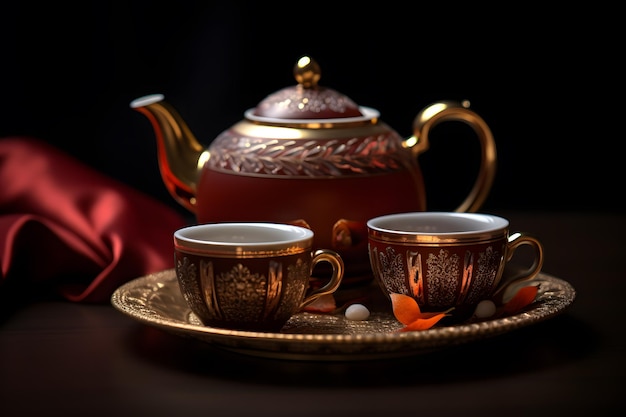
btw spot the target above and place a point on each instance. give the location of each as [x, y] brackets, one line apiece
[68, 228]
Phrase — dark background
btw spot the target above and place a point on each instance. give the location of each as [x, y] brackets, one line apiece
[543, 81]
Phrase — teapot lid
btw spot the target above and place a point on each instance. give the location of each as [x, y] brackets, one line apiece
[308, 101]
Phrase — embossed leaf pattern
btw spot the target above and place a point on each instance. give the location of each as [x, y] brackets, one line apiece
[190, 292]
[393, 270]
[245, 288]
[295, 288]
[485, 273]
[314, 158]
[442, 272]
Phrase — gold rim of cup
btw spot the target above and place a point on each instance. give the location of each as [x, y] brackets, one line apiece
[422, 228]
[253, 242]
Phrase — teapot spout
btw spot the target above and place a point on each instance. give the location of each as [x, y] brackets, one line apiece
[180, 155]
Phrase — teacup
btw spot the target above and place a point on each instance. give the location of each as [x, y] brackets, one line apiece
[250, 276]
[447, 259]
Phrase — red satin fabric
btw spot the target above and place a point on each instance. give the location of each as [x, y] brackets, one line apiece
[67, 228]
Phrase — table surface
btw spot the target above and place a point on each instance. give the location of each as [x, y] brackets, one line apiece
[62, 358]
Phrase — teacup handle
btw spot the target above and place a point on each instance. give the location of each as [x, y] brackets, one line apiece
[516, 240]
[335, 260]
[442, 111]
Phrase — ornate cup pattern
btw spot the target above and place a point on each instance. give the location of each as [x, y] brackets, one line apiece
[237, 292]
[251, 275]
[447, 260]
[439, 276]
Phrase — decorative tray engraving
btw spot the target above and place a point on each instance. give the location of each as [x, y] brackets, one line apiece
[155, 300]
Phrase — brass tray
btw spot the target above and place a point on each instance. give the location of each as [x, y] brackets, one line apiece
[155, 300]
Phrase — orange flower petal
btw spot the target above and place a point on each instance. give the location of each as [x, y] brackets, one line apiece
[405, 308]
[408, 312]
[523, 297]
[423, 324]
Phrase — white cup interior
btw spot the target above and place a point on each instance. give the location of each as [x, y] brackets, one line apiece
[437, 223]
[246, 235]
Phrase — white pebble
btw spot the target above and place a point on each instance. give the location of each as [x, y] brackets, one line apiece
[484, 309]
[357, 312]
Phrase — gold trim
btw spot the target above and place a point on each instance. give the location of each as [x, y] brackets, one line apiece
[426, 239]
[316, 130]
[156, 300]
[239, 252]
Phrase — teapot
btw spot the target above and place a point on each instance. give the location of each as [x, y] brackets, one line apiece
[309, 155]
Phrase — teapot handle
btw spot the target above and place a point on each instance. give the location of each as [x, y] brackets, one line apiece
[442, 111]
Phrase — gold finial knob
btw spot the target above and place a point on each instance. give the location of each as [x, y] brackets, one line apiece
[307, 72]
